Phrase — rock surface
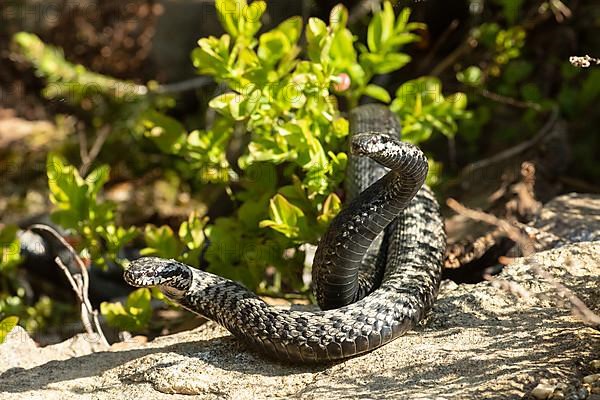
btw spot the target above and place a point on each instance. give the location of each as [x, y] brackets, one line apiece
[479, 342]
[570, 218]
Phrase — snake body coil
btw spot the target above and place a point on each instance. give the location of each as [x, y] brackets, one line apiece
[372, 285]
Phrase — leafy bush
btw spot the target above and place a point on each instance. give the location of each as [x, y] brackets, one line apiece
[287, 106]
[78, 209]
[14, 305]
[284, 107]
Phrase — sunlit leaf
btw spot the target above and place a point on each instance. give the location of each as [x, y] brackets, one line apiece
[7, 325]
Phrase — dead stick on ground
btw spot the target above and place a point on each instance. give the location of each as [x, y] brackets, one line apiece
[578, 307]
[79, 282]
[88, 157]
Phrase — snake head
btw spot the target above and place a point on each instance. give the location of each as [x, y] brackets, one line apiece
[371, 144]
[173, 277]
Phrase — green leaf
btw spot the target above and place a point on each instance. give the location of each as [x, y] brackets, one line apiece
[253, 210]
[296, 194]
[161, 242]
[10, 248]
[211, 57]
[225, 237]
[337, 168]
[402, 20]
[64, 181]
[291, 28]
[374, 33]
[315, 29]
[74, 197]
[590, 88]
[338, 17]
[331, 207]
[251, 14]
[96, 179]
[280, 42]
[387, 22]
[381, 28]
[423, 109]
[285, 217]
[132, 316]
[531, 92]
[273, 46]
[229, 13]
[235, 105]
[435, 172]
[516, 71]
[272, 149]
[391, 62]
[458, 102]
[340, 127]
[7, 325]
[138, 301]
[222, 101]
[472, 76]
[400, 39]
[166, 132]
[117, 237]
[342, 49]
[316, 35]
[191, 232]
[378, 93]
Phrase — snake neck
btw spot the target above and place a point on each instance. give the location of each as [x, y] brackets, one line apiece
[341, 251]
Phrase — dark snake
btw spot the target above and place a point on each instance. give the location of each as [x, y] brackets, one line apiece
[376, 271]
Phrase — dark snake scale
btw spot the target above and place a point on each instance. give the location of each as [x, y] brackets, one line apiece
[376, 271]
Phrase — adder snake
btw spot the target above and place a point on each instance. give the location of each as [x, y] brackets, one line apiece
[376, 271]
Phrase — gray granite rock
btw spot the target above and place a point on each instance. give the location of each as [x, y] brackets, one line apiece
[479, 342]
[570, 218]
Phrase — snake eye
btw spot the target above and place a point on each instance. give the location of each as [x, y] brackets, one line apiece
[361, 144]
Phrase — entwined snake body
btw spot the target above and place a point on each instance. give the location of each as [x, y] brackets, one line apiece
[369, 296]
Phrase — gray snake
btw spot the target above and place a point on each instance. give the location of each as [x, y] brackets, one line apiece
[376, 270]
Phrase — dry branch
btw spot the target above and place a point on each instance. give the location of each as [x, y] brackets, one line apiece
[578, 307]
[80, 284]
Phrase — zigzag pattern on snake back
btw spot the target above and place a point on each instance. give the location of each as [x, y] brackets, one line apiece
[369, 295]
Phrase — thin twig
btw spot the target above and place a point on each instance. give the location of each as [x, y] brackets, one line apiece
[509, 286]
[509, 100]
[469, 44]
[508, 153]
[83, 146]
[511, 231]
[578, 307]
[184, 86]
[560, 11]
[90, 156]
[79, 282]
[76, 284]
[438, 44]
